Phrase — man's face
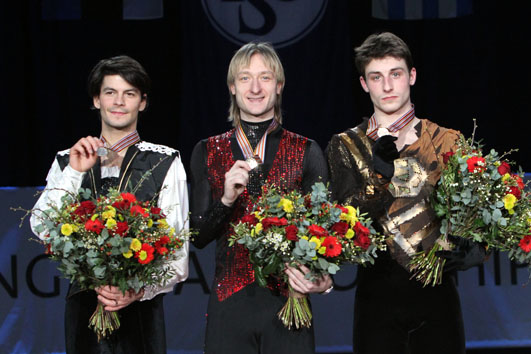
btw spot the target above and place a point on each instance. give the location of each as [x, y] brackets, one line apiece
[388, 82]
[119, 103]
[256, 90]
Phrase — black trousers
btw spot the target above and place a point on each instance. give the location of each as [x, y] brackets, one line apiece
[396, 315]
[141, 331]
[247, 323]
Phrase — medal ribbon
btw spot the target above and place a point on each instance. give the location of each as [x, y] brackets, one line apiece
[123, 143]
[398, 124]
[259, 151]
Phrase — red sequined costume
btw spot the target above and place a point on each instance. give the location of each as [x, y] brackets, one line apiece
[241, 315]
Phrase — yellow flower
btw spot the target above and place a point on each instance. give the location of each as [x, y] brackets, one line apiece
[150, 222]
[258, 216]
[322, 250]
[110, 224]
[67, 229]
[317, 241]
[258, 228]
[127, 254]
[305, 237]
[350, 217]
[136, 245]
[349, 234]
[509, 200]
[172, 231]
[163, 224]
[109, 212]
[506, 177]
[286, 204]
[94, 217]
[142, 255]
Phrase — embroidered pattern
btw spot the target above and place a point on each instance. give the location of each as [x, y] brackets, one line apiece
[145, 146]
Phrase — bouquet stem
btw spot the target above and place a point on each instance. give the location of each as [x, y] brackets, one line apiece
[296, 312]
[104, 322]
[427, 267]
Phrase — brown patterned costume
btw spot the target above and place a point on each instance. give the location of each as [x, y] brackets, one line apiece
[412, 318]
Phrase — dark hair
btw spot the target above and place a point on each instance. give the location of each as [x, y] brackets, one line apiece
[381, 45]
[128, 68]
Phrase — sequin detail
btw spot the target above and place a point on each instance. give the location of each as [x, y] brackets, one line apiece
[233, 269]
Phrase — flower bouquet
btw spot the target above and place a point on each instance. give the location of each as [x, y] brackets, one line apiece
[478, 198]
[295, 229]
[112, 240]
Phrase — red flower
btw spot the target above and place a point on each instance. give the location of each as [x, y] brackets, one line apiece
[340, 228]
[162, 241]
[122, 228]
[518, 181]
[48, 250]
[446, 156]
[155, 210]
[476, 163]
[137, 209]
[249, 219]
[343, 209]
[362, 236]
[291, 232]
[145, 255]
[85, 208]
[333, 247]
[94, 226]
[128, 197]
[273, 221]
[317, 230]
[515, 191]
[307, 201]
[121, 205]
[504, 168]
[525, 243]
[162, 250]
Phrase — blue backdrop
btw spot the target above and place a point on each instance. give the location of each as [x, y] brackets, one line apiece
[494, 297]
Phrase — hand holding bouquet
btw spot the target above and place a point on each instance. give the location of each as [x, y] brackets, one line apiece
[112, 240]
[310, 230]
[479, 199]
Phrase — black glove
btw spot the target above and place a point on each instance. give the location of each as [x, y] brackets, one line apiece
[384, 152]
[465, 255]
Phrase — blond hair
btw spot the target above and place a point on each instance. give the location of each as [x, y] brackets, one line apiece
[242, 59]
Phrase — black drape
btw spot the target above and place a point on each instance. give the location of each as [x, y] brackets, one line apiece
[468, 67]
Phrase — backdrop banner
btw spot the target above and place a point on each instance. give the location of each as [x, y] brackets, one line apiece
[494, 297]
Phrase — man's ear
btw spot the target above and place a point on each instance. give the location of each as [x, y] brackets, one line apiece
[364, 84]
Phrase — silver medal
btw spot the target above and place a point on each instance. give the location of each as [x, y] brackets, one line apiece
[102, 151]
[252, 162]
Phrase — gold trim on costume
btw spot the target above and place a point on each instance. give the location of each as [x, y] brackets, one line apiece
[408, 179]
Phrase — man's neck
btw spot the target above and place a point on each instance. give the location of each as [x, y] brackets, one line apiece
[385, 120]
[112, 136]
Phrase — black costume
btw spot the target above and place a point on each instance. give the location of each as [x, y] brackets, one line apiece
[241, 315]
[142, 328]
[393, 314]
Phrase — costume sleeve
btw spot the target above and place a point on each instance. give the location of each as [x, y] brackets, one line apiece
[208, 217]
[173, 201]
[346, 181]
[58, 184]
[314, 167]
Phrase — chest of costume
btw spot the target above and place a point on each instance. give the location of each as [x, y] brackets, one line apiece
[233, 269]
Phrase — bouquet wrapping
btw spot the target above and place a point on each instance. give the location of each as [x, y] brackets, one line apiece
[310, 230]
[479, 198]
[111, 240]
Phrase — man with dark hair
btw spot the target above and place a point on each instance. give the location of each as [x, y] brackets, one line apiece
[118, 88]
[387, 166]
[227, 170]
